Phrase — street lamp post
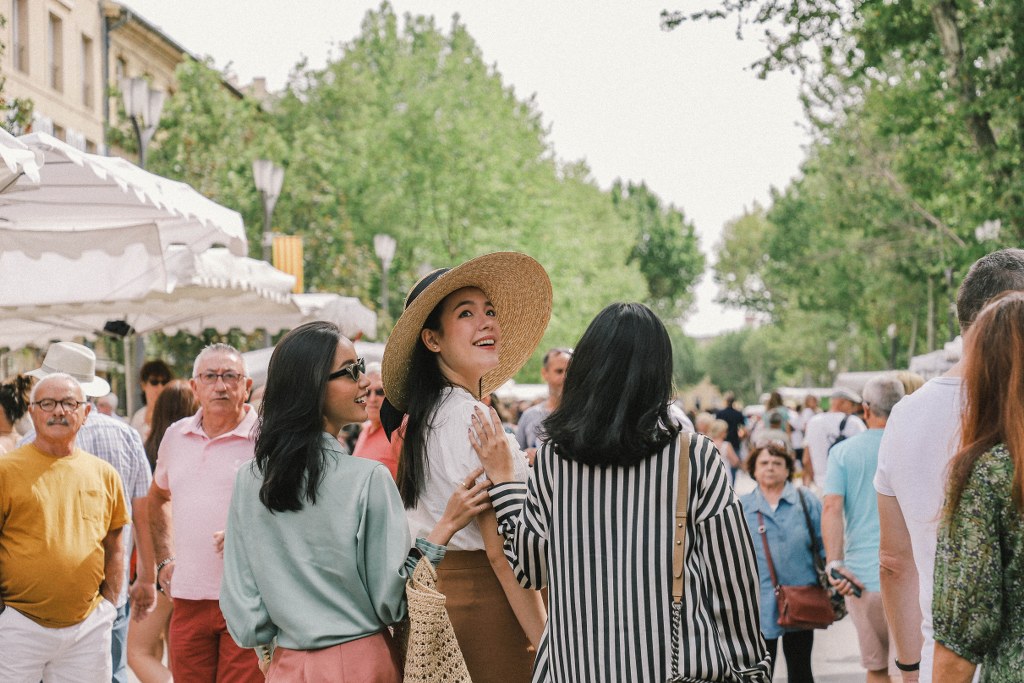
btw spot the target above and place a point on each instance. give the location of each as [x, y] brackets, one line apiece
[384, 246]
[891, 333]
[269, 178]
[143, 106]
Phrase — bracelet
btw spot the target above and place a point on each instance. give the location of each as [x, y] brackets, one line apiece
[908, 667]
[163, 563]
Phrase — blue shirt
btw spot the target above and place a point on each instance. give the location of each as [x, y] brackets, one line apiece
[790, 543]
[851, 473]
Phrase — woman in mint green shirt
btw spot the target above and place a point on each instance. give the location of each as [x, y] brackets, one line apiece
[317, 548]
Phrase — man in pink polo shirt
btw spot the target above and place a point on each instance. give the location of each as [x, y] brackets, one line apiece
[195, 473]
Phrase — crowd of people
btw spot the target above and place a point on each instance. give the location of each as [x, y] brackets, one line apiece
[594, 536]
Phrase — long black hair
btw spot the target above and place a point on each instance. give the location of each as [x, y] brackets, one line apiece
[614, 408]
[291, 424]
[423, 392]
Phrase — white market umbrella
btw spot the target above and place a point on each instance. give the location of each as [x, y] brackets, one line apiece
[87, 192]
[200, 291]
[17, 160]
[352, 317]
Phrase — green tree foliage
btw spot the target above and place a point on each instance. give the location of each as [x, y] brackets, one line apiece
[17, 112]
[918, 113]
[407, 131]
[666, 249]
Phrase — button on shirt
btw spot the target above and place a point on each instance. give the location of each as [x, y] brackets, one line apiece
[200, 474]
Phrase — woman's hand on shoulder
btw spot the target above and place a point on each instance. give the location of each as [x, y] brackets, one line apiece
[488, 439]
[467, 501]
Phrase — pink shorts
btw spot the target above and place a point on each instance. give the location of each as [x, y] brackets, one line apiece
[373, 659]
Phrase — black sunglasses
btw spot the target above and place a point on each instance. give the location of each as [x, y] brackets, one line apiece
[353, 371]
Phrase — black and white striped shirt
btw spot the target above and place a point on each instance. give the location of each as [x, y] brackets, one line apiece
[600, 538]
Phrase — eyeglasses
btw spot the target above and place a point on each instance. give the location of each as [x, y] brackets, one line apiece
[377, 392]
[154, 382]
[229, 378]
[48, 405]
[353, 371]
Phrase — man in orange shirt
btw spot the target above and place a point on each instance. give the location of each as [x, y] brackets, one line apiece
[62, 515]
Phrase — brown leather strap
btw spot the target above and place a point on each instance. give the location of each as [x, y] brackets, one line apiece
[682, 503]
[767, 551]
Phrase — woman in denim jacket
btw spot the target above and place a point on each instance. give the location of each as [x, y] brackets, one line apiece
[781, 506]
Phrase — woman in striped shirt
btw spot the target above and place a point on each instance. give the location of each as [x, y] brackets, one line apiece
[594, 523]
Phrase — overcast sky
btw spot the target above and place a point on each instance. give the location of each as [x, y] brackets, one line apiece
[680, 110]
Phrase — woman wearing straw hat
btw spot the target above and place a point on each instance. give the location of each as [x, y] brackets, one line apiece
[463, 333]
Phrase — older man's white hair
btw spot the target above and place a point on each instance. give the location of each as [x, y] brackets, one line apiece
[218, 348]
[53, 377]
[882, 393]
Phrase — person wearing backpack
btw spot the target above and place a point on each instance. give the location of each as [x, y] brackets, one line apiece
[825, 430]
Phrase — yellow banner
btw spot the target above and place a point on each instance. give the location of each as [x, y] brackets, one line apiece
[288, 257]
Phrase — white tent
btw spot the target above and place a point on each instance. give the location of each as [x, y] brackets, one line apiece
[199, 291]
[87, 192]
[17, 160]
[213, 290]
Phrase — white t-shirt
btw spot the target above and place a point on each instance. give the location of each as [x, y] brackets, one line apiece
[799, 424]
[920, 439]
[820, 433]
[450, 459]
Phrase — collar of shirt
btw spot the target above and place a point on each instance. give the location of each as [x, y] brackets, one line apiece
[194, 425]
[331, 443]
[789, 494]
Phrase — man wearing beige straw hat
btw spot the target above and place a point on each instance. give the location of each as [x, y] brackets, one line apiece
[463, 333]
[113, 441]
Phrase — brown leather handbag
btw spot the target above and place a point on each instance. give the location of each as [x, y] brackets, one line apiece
[800, 607]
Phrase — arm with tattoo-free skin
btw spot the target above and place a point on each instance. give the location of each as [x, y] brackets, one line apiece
[113, 565]
[162, 533]
[898, 575]
[832, 534]
[142, 592]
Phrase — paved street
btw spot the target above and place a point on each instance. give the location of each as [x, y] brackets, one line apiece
[836, 658]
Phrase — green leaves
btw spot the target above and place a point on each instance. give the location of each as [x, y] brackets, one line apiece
[407, 131]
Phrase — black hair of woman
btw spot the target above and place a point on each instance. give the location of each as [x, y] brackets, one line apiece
[615, 404]
[291, 426]
[425, 386]
[14, 397]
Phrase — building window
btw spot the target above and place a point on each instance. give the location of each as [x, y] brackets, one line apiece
[56, 55]
[59, 132]
[88, 67]
[90, 146]
[19, 30]
[120, 71]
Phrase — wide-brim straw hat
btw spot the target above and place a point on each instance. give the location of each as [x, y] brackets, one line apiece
[75, 360]
[518, 287]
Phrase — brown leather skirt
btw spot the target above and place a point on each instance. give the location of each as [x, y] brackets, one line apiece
[493, 643]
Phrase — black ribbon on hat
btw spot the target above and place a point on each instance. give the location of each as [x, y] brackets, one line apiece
[391, 418]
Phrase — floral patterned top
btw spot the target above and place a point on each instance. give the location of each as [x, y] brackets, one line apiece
[978, 605]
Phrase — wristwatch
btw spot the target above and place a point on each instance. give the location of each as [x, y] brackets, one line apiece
[833, 564]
